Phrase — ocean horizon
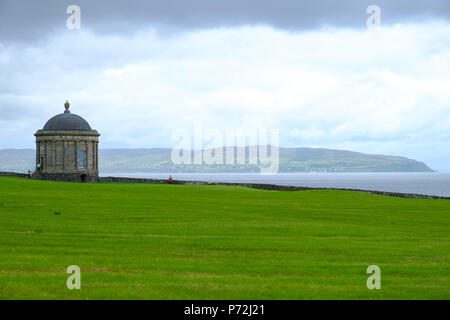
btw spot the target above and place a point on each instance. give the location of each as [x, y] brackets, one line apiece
[427, 183]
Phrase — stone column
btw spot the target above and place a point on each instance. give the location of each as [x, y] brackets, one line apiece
[38, 151]
[96, 156]
[93, 154]
[47, 154]
[64, 154]
[86, 156]
[76, 155]
[44, 165]
[54, 154]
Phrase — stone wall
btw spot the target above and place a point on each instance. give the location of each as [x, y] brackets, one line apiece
[13, 174]
[130, 180]
[76, 178]
[265, 187]
[66, 177]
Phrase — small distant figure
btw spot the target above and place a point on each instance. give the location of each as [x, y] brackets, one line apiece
[170, 180]
[29, 174]
[38, 166]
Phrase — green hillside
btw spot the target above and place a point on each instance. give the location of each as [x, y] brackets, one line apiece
[291, 160]
[217, 242]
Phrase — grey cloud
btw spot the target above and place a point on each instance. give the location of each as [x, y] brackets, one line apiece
[26, 20]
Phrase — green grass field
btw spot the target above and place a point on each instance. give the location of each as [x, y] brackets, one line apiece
[142, 241]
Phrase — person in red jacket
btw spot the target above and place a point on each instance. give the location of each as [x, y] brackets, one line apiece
[170, 180]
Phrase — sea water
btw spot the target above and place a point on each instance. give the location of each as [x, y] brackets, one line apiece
[433, 183]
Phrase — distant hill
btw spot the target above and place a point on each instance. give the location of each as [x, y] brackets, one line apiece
[291, 160]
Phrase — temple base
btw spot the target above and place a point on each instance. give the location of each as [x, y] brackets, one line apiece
[67, 177]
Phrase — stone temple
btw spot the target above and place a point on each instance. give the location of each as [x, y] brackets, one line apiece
[67, 149]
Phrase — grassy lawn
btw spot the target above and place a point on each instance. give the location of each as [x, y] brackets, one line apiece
[142, 241]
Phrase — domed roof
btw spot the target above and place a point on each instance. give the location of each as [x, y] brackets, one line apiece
[67, 121]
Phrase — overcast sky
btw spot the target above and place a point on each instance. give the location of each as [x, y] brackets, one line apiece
[138, 70]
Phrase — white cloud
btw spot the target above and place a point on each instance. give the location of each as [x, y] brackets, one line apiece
[382, 91]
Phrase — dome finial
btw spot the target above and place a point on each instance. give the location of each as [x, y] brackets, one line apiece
[67, 105]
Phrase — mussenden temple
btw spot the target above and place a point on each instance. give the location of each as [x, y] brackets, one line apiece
[67, 149]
